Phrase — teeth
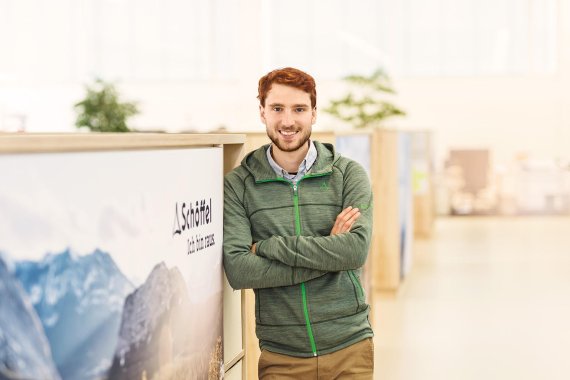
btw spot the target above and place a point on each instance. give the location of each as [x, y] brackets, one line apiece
[288, 133]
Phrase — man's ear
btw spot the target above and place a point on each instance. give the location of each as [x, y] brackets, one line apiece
[314, 115]
[262, 113]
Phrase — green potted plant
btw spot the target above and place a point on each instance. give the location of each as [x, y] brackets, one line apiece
[366, 107]
[101, 110]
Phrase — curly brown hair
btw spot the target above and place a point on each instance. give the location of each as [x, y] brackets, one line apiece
[287, 76]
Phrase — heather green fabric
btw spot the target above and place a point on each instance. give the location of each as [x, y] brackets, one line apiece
[260, 207]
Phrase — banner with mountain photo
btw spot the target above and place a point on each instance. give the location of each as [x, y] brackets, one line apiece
[111, 265]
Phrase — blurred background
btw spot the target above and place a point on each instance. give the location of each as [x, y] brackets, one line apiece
[488, 78]
[486, 81]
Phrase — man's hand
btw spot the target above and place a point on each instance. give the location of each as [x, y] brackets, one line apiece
[253, 248]
[345, 220]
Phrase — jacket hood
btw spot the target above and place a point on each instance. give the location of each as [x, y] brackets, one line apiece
[257, 164]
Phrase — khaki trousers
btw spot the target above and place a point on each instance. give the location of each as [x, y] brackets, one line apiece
[355, 362]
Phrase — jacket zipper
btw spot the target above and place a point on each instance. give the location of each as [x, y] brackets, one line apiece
[298, 233]
[303, 289]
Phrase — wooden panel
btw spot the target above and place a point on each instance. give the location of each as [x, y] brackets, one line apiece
[384, 259]
[79, 142]
[386, 235]
[424, 214]
[233, 154]
[234, 308]
[232, 319]
[252, 351]
[324, 137]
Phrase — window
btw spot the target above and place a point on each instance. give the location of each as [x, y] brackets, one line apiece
[138, 40]
[412, 37]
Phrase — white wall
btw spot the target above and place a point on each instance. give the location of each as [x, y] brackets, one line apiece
[527, 114]
[509, 114]
[47, 101]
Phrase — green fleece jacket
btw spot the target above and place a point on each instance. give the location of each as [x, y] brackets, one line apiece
[308, 297]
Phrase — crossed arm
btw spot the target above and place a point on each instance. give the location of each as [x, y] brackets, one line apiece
[343, 223]
[245, 270]
[345, 248]
[290, 260]
[347, 245]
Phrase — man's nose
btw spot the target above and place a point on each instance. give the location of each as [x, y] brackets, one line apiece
[288, 120]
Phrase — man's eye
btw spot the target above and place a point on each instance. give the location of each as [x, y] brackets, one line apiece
[277, 109]
[300, 109]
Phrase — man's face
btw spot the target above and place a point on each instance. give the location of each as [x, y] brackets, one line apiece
[288, 117]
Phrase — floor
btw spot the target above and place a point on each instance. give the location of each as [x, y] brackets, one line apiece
[487, 298]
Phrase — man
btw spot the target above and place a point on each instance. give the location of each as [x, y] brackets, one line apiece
[297, 227]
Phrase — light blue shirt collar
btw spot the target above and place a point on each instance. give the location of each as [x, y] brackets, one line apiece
[305, 166]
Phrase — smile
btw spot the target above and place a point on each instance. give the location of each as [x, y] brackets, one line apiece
[288, 133]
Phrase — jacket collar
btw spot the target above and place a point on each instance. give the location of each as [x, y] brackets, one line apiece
[257, 164]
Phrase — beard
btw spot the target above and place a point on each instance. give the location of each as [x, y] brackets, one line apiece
[290, 147]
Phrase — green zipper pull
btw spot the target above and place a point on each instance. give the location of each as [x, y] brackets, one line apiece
[296, 207]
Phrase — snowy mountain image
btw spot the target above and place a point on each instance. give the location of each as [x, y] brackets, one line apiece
[163, 335]
[24, 349]
[79, 300]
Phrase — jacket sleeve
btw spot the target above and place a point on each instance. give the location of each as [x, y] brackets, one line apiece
[245, 270]
[344, 251]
